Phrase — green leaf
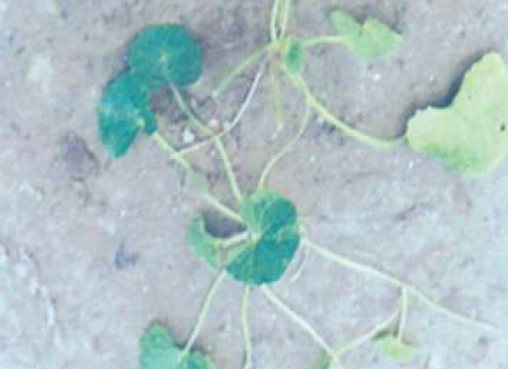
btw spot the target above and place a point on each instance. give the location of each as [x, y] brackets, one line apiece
[294, 55]
[274, 238]
[124, 109]
[470, 135]
[165, 54]
[345, 24]
[395, 348]
[159, 351]
[371, 40]
[203, 244]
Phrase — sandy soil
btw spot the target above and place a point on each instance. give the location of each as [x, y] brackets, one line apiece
[92, 250]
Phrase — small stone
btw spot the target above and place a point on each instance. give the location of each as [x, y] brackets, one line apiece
[78, 160]
[214, 124]
[188, 137]
[125, 259]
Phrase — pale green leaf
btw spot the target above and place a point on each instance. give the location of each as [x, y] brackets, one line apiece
[470, 135]
[396, 348]
[158, 350]
[371, 40]
[203, 244]
[272, 223]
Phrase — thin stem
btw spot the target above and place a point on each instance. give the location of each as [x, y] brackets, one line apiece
[304, 325]
[404, 302]
[284, 18]
[202, 315]
[246, 328]
[216, 140]
[236, 119]
[285, 150]
[239, 69]
[367, 336]
[324, 40]
[235, 239]
[223, 209]
[372, 272]
[374, 142]
[165, 146]
[277, 96]
[274, 33]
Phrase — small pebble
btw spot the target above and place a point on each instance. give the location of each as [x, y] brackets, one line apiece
[188, 136]
[214, 124]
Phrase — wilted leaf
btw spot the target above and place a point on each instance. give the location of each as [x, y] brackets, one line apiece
[274, 238]
[395, 348]
[159, 351]
[470, 135]
[165, 54]
[124, 108]
[371, 40]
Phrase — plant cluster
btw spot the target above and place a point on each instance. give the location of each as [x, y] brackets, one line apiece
[469, 136]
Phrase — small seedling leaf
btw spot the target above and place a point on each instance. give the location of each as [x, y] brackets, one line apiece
[123, 110]
[294, 55]
[372, 40]
[159, 351]
[272, 222]
[470, 135]
[203, 244]
[345, 24]
[165, 54]
[395, 348]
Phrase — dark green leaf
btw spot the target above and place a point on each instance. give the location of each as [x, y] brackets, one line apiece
[294, 55]
[159, 351]
[371, 40]
[274, 238]
[165, 54]
[471, 135]
[395, 348]
[203, 244]
[124, 109]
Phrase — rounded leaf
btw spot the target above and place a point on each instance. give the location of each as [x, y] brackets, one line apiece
[274, 237]
[165, 54]
[124, 109]
[470, 135]
[158, 349]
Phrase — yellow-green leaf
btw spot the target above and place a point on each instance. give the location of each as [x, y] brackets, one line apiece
[470, 135]
[396, 348]
[371, 40]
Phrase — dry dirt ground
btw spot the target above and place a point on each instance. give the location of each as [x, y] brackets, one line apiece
[92, 250]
